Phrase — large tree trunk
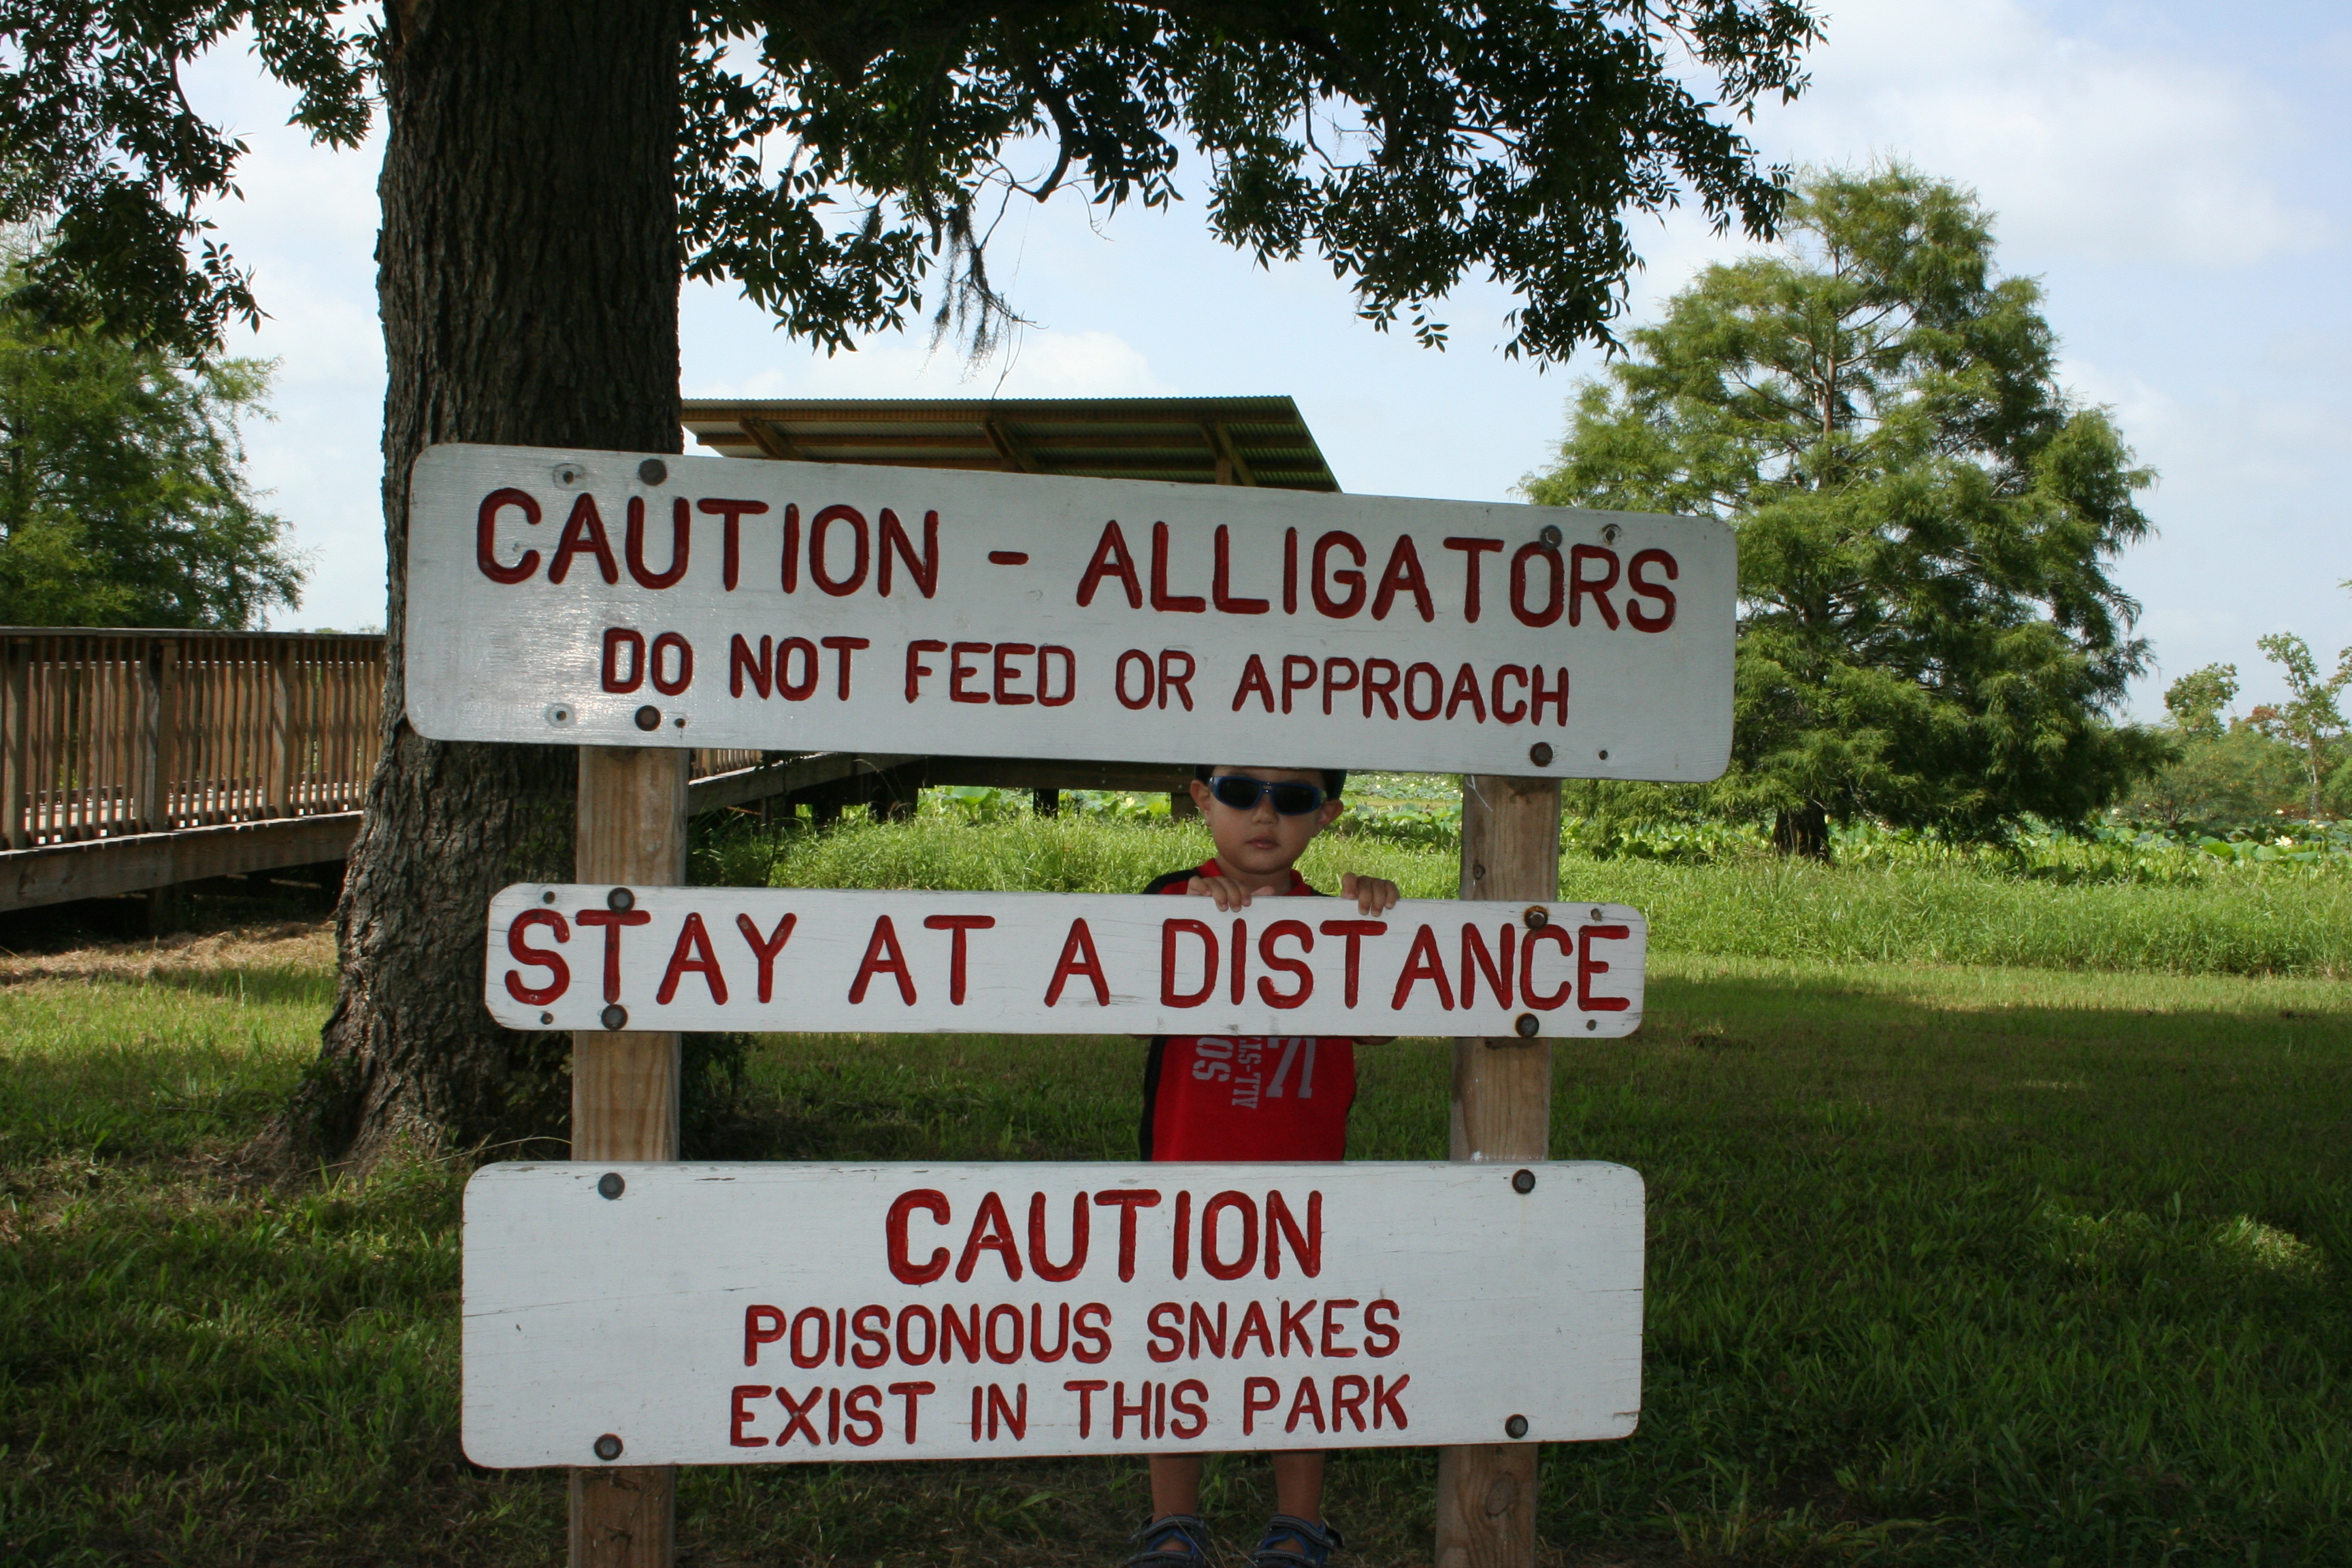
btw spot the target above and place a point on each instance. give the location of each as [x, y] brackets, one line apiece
[528, 278]
[1805, 831]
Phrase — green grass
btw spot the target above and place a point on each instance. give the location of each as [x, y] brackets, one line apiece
[1948, 1266]
[1935, 911]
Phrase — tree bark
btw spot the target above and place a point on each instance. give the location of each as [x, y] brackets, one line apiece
[1804, 830]
[528, 276]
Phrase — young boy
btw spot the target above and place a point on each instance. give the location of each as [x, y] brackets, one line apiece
[1266, 1099]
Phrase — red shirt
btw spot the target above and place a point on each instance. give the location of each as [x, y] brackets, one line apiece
[1249, 1097]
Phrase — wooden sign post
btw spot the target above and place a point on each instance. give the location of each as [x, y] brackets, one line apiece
[625, 1089]
[640, 606]
[1502, 1110]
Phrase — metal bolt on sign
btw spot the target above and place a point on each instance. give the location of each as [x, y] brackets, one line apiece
[608, 1447]
[653, 472]
[1523, 1182]
[1517, 1427]
[1526, 1024]
[611, 1185]
[1541, 753]
[615, 1016]
[624, 900]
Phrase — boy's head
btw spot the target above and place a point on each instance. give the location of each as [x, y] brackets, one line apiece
[1248, 821]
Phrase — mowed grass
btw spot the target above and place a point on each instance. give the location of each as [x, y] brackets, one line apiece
[1948, 1266]
[2283, 921]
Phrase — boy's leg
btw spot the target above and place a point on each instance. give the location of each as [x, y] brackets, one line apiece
[1176, 1483]
[1297, 1484]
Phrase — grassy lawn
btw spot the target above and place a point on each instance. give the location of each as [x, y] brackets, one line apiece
[1948, 1264]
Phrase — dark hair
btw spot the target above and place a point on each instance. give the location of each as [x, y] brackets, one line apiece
[1335, 780]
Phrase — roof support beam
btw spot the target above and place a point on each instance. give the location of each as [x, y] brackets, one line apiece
[1018, 460]
[771, 441]
[1231, 468]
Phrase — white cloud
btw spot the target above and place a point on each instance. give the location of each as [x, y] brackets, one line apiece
[2088, 150]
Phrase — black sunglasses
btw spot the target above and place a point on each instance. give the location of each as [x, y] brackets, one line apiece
[1241, 792]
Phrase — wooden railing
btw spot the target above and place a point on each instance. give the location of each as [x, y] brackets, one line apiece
[105, 733]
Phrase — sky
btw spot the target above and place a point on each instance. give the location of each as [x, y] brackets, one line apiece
[2167, 168]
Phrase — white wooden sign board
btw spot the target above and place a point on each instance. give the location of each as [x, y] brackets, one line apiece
[777, 959]
[771, 1313]
[559, 596]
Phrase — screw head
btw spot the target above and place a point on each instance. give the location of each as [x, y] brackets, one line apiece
[1605, 754]
[569, 474]
[547, 1017]
[608, 1447]
[1523, 1181]
[1592, 1023]
[1541, 753]
[1609, 532]
[1596, 911]
[615, 1016]
[1526, 1025]
[1537, 915]
[610, 1184]
[1551, 534]
[620, 898]
[547, 897]
[680, 722]
[559, 714]
[648, 717]
[653, 471]
[1517, 1427]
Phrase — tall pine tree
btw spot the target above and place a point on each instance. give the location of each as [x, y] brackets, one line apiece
[1929, 632]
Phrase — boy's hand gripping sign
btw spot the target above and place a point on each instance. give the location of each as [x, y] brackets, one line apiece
[704, 959]
[771, 1313]
[612, 599]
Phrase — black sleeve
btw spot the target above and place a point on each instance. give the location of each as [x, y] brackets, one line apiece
[1161, 883]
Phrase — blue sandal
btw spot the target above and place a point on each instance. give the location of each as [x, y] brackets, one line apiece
[1171, 1540]
[1293, 1542]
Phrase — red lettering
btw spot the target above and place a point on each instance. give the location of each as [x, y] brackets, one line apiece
[485, 536]
[1098, 1348]
[1170, 930]
[1348, 1395]
[1579, 586]
[1421, 963]
[957, 1332]
[1352, 580]
[1189, 1407]
[559, 975]
[1289, 571]
[1078, 957]
[1331, 1330]
[1220, 581]
[845, 647]
[802, 1356]
[1510, 715]
[883, 956]
[1644, 621]
[926, 571]
[583, 534]
[1437, 692]
[681, 534]
[1307, 1246]
[1381, 677]
[1587, 967]
[1255, 1327]
[1257, 1393]
[1465, 689]
[1254, 679]
[1475, 958]
[1541, 1002]
[1004, 1355]
[1183, 1239]
[1176, 675]
[904, 1269]
[991, 1231]
[1219, 1267]
[909, 1316]
[872, 1327]
[1118, 679]
[1038, 1319]
[1304, 1404]
[1111, 559]
[1161, 599]
[913, 1392]
[704, 963]
[1120, 1410]
[1199, 1327]
[1544, 699]
[821, 524]
[1165, 1322]
[959, 672]
[1471, 549]
[787, 686]
[957, 925]
[865, 1425]
[1042, 1262]
[617, 638]
[1127, 1202]
[1355, 931]
[682, 674]
[1389, 1337]
[1086, 1388]
[612, 920]
[739, 663]
[1403, 574]
[1297, 675]
[1069, 675]
[1291, 966]
[1332, 683]
[761, 1326]
[742, 1417]
[1015, 1415]
[1294, 1325]
[1384, 1399]
[916, 667]
[1005, 674]
[730, 537]
[1550, 612]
